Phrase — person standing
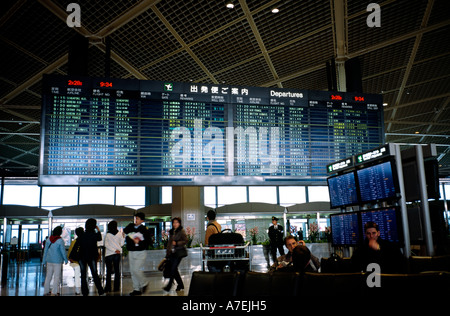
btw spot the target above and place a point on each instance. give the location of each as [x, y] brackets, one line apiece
[54, 256]
[74, 263]
[213, 226]
[89, 256]
[137, 241]
[114, 240]
[176, 250]
[276, 239]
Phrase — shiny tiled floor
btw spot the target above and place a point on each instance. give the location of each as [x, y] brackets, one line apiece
[27, 279]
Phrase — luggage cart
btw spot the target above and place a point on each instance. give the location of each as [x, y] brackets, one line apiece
[227, 258]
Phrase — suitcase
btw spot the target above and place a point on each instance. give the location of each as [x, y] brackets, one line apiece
[226, 238]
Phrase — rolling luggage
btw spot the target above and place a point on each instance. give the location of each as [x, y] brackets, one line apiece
[226, 237]
[227, 252]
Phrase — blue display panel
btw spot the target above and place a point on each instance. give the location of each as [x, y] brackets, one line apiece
[342, 190]
[387, 220]
[345, 229]
[137, 132]
[377, 182]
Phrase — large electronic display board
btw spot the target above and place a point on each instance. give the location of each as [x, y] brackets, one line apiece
[343, 190]
[378, 182]
[387, 220]
[106, 131]
[345, 229]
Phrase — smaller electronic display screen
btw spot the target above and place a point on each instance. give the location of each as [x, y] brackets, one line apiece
[387, 221]
[345, 229]
[342, 190]
[377, 182]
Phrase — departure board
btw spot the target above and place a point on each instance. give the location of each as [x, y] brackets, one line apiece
[377, 182]
[386, 219]
[107, 131]
[345, 230]
[342, 190]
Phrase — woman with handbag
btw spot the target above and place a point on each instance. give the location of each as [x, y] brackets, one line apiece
[176, 250]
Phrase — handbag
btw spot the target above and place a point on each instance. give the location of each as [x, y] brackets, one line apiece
[162, 264]
[165, 267]
[75, 252]
[167, 271]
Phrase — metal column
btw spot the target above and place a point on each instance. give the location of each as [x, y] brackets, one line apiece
[424, 201]
[402, 202]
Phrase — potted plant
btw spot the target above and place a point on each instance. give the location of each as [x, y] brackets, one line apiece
[313, 232]
[165, 238]
[254, 235]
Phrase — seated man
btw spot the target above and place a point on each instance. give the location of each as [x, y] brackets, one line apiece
[377, 250]
[285, 262]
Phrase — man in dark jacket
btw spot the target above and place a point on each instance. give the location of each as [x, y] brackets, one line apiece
[276, 239]
[377, 250]
[137, 241]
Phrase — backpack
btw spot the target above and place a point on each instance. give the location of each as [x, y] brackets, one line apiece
[333, 264]
[75, 252]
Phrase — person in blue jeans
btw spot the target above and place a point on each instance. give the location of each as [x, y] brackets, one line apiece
[54, 256]
[89, 256]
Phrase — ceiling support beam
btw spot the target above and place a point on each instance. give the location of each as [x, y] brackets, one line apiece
[341, 44]
[60, 13]
[418, 123]
[183, 44]
[435, 119]
[259, 40]
[128, 16]
[412, 57]
[401, 38]
[294, 75]
[417, 101]
[34, 79]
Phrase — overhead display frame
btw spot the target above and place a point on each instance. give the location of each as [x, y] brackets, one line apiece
[106, 131]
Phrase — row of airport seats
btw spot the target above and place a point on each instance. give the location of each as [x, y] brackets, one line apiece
[414, 264]
[258, 284]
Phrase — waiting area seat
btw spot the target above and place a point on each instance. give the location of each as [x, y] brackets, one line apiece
[248, 284]
[214, 283]
[418, 264]
[414, 264]
[270, 284]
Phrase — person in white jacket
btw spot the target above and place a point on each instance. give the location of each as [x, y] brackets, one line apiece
[114, 240]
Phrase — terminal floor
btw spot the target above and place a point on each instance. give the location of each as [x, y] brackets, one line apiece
[27, 278]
